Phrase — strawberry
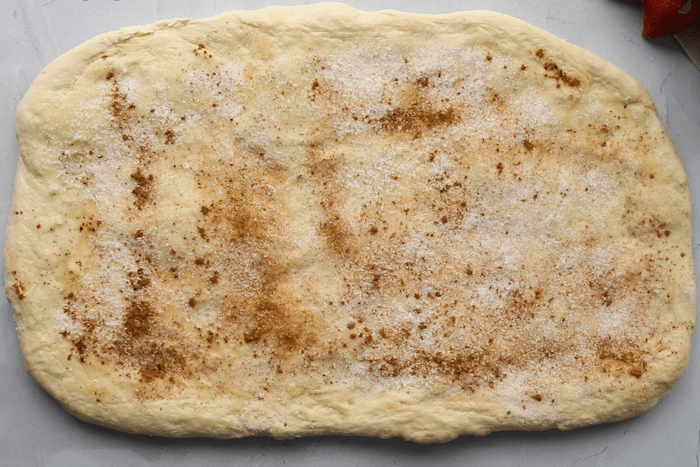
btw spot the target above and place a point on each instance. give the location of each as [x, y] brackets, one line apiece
[667, 16]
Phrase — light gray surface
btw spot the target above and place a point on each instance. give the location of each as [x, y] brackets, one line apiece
[35, 431]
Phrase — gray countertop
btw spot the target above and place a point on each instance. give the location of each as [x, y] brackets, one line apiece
[35, 431]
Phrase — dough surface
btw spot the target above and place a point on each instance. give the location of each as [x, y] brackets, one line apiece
[316, 220]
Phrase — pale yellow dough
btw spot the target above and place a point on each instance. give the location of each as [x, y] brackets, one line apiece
[315, 220]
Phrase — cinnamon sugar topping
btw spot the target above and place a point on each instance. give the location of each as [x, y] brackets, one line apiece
[385, 217]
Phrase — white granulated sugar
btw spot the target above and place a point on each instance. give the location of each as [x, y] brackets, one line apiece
[111, 303]
[191, 119]
[364, 118]
[87, 107]
[613, 320]
[116, 263]
[499, 66]
[566, 180]
[310, 237]
[600, 185]
[532, 111]
[216, 83]
[597, 259]
[516, 393]
[570, 259]
[416, 248]
[508, 254]
[524, 220]
[130, 87]
[468, 56]
[349, 126]
[430, 143]
[353, 376]
[435, 62]
[100, 179]
[504, 249]
[545, 327]
[439, 170]
[519, 197]
[471, 92]
[117, 258]
[228, 109]
[65, 323]
[473, 83]
[486, 297]
[361, 74]
[382, 385]
[191, 116]
[478, 121]
[204, 315]
[600, 259]
[592, 105]
[470, 221]
[230, 75]
[164, 112]
[263, 148]
[512, 391]
[380, 174]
